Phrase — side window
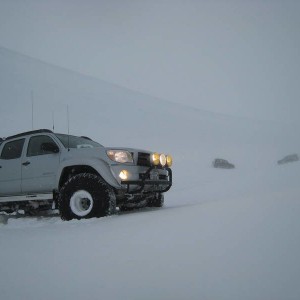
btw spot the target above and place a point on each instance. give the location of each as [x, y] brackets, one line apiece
[12, 150]
[37, 144]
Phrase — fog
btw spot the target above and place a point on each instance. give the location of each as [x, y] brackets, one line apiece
[119, 67]
[222, 234]
[234, 57]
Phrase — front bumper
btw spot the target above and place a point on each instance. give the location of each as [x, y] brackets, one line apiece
[148, 184]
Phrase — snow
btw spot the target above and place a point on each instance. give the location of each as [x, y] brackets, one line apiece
[223, 234]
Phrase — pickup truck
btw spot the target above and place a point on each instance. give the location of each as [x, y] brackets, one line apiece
[42, 170]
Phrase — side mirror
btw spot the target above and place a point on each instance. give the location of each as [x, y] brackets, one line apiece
[49, 147]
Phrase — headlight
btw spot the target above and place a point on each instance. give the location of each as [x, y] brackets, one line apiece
[169, 160]
[120, 156]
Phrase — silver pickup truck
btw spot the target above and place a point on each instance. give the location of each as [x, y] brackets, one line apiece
[42, 170]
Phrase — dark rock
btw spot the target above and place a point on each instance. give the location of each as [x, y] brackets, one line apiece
[222, 163]
[288, 159]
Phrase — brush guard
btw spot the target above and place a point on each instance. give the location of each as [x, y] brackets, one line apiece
[144, 181]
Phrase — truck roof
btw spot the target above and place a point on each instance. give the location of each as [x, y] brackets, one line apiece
[32, 132]
[26, 133]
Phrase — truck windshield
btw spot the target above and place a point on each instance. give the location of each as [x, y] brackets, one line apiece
[70, 141]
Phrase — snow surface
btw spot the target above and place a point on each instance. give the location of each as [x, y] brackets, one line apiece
[223, 234]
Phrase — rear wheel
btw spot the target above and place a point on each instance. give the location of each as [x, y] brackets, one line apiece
[85, 196]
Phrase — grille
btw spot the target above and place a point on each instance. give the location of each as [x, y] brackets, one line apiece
[143, 159]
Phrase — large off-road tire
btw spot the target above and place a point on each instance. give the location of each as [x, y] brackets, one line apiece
[157, 201]
[86, 196]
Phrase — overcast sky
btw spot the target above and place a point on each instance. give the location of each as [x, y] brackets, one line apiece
[234, 57]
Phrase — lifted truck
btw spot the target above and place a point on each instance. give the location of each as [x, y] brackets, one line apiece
[42, 170]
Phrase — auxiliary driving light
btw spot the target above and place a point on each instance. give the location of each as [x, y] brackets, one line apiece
[155, 159]
[163, 159]
[124, 174]
[169, 160]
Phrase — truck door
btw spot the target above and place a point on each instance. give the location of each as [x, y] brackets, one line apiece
[10, 167]
[40, 165]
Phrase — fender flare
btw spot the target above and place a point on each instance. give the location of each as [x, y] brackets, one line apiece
[100, 166]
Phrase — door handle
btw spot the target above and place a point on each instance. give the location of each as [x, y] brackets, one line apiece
[26, 163]
[0, 167]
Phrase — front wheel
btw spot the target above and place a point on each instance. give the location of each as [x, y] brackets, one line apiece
[85, 196]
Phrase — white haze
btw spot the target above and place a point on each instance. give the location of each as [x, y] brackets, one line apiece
[234, 57]
[223, 234]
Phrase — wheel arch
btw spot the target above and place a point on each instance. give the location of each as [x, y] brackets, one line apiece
[70, 171]
[93, 166]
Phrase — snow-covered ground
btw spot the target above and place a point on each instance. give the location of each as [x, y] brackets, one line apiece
[223, 234]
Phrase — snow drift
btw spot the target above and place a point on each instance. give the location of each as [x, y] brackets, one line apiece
[223, 234]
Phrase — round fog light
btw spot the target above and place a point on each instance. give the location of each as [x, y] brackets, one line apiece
[124, 174]
[155, 159]
[169, 160]
[163, 160]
